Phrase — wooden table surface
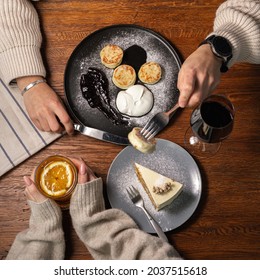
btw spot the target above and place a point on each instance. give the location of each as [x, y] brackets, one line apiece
[226, 224]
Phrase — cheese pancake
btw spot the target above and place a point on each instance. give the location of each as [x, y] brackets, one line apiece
[139, 142]
[124, 76]
[150, 73]
[111, 56]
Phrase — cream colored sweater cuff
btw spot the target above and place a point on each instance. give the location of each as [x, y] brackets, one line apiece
[22, 61]
[88, 197]
[46, 215]
[20, 40]
[44, 239]
[239, 22]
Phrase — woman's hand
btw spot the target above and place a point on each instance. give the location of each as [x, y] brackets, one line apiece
[198, 76]
[44, 107]
[85, 174]
[31, 191]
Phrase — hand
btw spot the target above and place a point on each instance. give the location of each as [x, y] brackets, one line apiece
[31, 191]
[85, 174]
[198, 76]
[44, 107]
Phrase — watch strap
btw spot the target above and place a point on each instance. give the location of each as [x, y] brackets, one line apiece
[225, 59]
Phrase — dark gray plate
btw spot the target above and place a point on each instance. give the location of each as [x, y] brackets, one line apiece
[87, 54]
[170, 160]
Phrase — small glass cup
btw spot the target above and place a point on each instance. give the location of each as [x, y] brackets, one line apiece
[62, 200]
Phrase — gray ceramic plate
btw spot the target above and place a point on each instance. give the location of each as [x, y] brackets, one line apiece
[170, 160]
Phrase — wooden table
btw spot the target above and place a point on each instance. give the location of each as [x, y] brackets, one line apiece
[226, 225]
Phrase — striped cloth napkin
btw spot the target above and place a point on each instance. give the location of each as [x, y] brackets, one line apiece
[19, 138]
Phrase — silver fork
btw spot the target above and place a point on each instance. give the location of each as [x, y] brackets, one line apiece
[136, 198]
[157, 123]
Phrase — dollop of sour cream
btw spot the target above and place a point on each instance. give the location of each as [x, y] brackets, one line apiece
[136, 101]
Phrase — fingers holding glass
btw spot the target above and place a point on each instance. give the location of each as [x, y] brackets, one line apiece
[31, 191]
[85, 173]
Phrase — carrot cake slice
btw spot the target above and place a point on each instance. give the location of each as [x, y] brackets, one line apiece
[160, 189]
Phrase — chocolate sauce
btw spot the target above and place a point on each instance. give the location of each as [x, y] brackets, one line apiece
[94, 88]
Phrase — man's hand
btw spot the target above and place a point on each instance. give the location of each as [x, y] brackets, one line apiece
[198, 76]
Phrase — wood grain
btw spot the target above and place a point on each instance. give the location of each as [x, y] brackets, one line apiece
[226, 224]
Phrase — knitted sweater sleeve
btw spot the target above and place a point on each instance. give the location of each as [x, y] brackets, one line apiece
[112, 234]
[20, 40]
[44, 239]
[239, 22]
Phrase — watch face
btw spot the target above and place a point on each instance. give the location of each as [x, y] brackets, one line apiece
[222, 46]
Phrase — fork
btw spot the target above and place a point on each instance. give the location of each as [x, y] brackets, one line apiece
[136, 198]
[157, 123]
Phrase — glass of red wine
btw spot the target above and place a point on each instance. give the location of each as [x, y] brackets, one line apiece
[210, 123]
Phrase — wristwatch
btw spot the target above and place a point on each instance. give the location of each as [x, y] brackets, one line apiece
[221, 48]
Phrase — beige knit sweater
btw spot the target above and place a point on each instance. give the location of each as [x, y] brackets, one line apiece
[20, 37]
[108, 234]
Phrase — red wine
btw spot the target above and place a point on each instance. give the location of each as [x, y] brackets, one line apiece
[215, 114]
[212, 122]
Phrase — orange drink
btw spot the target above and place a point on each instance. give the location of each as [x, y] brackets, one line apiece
[56, 178]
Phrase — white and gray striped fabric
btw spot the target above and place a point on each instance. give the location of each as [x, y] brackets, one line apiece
[19, 138]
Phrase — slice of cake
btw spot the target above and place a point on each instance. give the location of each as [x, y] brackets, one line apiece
[160, 189]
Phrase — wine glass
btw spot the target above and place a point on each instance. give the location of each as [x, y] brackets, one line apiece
[210, 123]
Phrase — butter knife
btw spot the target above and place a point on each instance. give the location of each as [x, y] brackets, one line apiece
[101, 135]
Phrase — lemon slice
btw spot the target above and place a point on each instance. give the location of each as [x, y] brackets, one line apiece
[56, 178]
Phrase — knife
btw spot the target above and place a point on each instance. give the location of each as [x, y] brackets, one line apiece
[101, 135]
